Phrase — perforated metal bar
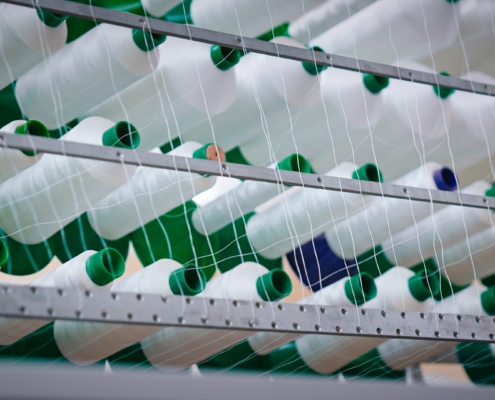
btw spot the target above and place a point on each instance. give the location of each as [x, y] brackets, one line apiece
[133, 157]
[198, 312]
[252, 45]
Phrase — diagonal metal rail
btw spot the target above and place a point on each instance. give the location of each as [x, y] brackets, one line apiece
[315, 181]
[231, 314]
[252, 45]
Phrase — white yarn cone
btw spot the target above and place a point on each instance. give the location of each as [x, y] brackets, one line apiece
[269, 90]
[181, 94]
[341, 118]
[301, 216]
[469, 260]
[439, 231]
[41, 200]
[149, 194]
[389, 30]
[339, 293]
[318, 20]
[175, 349]
[14, 161]
[158, 8]
[414, 122]
[386, 216]
[84, 343]
[472, 127]
[326, 354]
[72, 274]
[247, 17]
[83, 74]
[25, 41]
[241, 200]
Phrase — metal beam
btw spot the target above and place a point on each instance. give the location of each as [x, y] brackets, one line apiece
[197, 312]
[315, 181]
[252, 45]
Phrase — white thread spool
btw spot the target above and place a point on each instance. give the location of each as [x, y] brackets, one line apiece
[158, 8]
[25, 41]
[72, 274]
[301, 216]
[84, 343]
[386, 216]
[336, 294]
[326, 354]
[319, 19]
[175, 349]
[247, 17]
[389, 30]
[150, 193]
[268, 90]
[41, 200]
[13, 161]
[437, 232]
[469, 260]
[185, 89]
[84, 73]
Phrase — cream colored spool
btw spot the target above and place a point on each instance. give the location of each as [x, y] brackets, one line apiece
[382, 218]
[84, 73]
[25, 41]
[430, 236]
[175, 349]
[389, 30]
[14, 161]
[301, 216]
[268, 91]
[84, 343]
[41, 200]
[182, 93]
[150, 193]
[72, 274]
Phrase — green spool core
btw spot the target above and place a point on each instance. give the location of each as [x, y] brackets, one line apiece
[51, 19]
[360, 288]
[34, 128]
[490, 192]
[287, 360]
[105, 266]
[374, 262]
[429, 264]
[169, 146]
[4, 253]
[447, 288]
[488, 301]
[187, 281]
[488, 281]
[180, 14]
[279, 30]
[443, 92]
[123, 135]
[478, 361]
[375, 84]
[274, 285]
[146, 40]
[224, 58]
[311, 67]
[235, 156]
[201, 152]
[368, 172]
[424, 285]
[295, 163]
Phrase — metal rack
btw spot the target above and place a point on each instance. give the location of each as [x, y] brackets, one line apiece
[232, 314]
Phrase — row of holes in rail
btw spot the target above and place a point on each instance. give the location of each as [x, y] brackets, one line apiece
[252, 323]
